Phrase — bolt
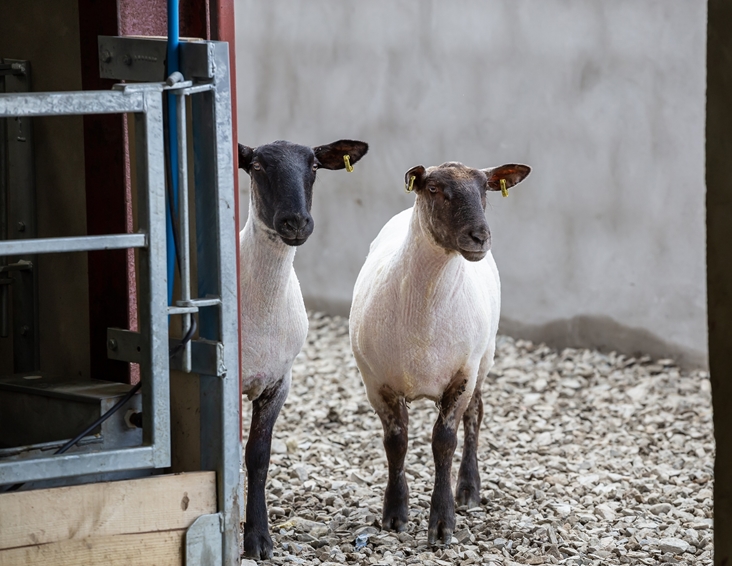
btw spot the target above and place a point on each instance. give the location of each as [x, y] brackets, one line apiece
[112, 344]
[24, 330]
[21, 226]
[106, 56]
[127, 60]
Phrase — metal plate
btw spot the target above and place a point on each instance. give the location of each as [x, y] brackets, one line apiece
[203, 541]
[143, 59]
[207, 356]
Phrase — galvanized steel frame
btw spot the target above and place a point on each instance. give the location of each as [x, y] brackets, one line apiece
[145, 102]
[216, 233]
[216, 230]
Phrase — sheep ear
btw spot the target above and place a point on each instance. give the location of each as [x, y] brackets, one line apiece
[245, 157]
[331, 156]
[417, 172]
[512, 173]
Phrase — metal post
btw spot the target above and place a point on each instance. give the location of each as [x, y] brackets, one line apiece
[183, 223]
[21, 206]
[216, 245]
[154, 371]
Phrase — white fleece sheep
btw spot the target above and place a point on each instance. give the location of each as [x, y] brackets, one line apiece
[423, 324]
[274, 322]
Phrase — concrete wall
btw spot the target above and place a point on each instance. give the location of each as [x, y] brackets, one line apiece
[46, 32]
[603, 245]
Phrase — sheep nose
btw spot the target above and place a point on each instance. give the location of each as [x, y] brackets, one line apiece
[296, 222]
[480, 236]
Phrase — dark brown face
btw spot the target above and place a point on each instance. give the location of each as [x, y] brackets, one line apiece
[452, 197]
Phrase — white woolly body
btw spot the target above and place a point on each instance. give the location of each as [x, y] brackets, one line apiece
[274, 322]
[422, 317]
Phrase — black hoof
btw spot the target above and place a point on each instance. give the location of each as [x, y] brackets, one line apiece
[467, 495]
[257, 545]
[440, 534]
[395, 522]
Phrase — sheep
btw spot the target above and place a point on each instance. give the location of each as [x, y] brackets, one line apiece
[274, 322]
[423, 324]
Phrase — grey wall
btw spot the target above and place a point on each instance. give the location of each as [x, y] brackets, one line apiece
[603, 245]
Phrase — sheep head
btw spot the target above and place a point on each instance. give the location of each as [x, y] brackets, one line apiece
[451, 198]
[283, 174]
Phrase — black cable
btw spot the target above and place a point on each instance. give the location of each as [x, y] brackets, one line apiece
[173, 351]
[100, 420]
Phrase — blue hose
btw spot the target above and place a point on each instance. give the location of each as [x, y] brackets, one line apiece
[172, 66]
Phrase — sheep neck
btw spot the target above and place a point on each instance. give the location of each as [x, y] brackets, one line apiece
[266, 263]
[426, 261]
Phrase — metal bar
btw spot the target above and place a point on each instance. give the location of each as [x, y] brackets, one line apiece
[21, 202]
[216, 237]
[74, 244]
[183, 311]
[193, 305]
[153, 306]
[205, 302]
[69, 103]
[50, 467]
[196, 89]
[183, 225]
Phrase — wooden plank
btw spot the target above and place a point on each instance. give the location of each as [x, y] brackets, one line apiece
[148, 549]
[158, 503]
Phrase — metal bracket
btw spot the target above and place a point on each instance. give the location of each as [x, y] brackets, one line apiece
[203, 544]
[17, 68]
[143, 59]
[20, 265]
[207, 356]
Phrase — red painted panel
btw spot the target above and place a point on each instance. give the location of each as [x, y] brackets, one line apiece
[149, 17]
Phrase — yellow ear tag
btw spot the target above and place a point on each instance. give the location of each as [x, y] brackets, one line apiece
[347, 161]
[504, 190]
[410, 187]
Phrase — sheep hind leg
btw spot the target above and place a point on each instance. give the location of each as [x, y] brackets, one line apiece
[392, 411]
[468, 484]
[444, 441]
[266, 408]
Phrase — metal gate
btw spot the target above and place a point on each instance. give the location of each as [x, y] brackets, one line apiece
[214, 354]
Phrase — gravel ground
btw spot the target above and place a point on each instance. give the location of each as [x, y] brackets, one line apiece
[585, 458]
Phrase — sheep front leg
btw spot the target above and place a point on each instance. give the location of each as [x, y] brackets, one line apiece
[468, 485]
[266, 408]
[444, 441]
[392, 411]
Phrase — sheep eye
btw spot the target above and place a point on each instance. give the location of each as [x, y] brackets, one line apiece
[256, 166]
[432, 189]
[315, 166]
